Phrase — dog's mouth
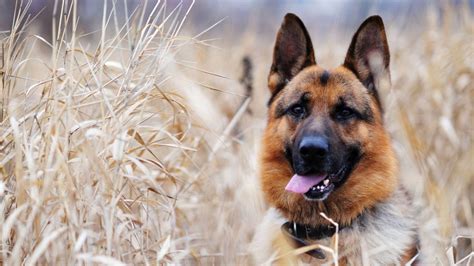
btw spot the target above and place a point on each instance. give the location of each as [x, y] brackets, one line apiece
[315, 187]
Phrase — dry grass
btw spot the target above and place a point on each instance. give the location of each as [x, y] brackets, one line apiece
[120, 151]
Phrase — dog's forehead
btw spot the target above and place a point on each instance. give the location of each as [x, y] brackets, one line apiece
[317, 82]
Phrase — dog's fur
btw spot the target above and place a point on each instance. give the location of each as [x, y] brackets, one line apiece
[368, 202]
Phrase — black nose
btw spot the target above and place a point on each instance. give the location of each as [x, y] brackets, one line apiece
[314, 147]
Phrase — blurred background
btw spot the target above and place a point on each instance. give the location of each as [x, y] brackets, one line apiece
[130, 129]
[239, 16]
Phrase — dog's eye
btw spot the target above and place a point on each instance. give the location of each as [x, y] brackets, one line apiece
[345, 113]
[297, 110]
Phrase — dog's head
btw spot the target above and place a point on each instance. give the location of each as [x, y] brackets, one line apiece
[325, 148]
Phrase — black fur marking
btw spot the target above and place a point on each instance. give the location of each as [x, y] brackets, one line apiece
[364, 114]
[370, 85]
[324, 78]
[280, 110]
[283, 108]
[351, 161]
[289, 155]
[277, 91]
[367, 115]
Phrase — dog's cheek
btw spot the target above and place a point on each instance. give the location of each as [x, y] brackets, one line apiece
[283, 131]
[277, 141]
[355, 131]
[362, 131]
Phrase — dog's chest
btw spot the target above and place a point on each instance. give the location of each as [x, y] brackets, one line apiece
[380, 236]
[379, 240]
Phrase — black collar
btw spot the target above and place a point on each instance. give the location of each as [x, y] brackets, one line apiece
[299, 234]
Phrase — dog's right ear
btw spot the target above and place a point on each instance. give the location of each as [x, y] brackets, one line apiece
[293, 51]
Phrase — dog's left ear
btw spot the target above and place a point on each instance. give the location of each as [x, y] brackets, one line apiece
[368, 55]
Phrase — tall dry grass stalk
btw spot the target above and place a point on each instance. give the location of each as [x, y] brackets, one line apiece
[95, 153]
[121, 152]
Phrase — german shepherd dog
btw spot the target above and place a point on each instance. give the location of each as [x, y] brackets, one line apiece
[326, 153]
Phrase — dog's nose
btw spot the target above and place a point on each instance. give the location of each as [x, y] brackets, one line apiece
[314, 147]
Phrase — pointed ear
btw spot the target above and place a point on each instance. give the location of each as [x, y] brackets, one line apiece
[293, 51]
[368, 55]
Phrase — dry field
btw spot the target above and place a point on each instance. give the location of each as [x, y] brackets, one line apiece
[138, 143]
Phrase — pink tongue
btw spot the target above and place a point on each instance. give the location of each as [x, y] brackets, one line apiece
[301, 184]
